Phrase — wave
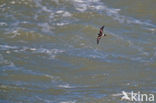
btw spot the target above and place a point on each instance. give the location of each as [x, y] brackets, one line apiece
[23, 35]
[51, 52]
[110, 57]
[114, 13]
[64, 13]
[45, 27]
[7, 47]
[63, 16]
[65, 86]
[54, 14]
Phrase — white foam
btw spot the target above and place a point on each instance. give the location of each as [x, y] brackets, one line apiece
[8, 52]
[153, 30]
[48, 51]
[12, 2]
[7, 47]
[67, 14]
[59, 11]
[3, 24]
[49, 76]
[80, 1]
[84, 5]
[51, 52]
[1, 6]
[61, 24]
[15, 33]
[64, 13]
[52, 16]
[68, 101]
[33, 49]
[44, 8]
[45, 27]
[65, 86]
[98, 7]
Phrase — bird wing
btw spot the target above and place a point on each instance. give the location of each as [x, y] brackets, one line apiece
[101, 29]
[100, 34]
[98, 39]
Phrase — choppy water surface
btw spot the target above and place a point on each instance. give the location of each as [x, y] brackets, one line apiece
[48, 51]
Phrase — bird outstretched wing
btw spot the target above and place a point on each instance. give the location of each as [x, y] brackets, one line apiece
[98, 39]
[100, 34]
[101, 29]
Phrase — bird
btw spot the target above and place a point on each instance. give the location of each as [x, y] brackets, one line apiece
[100, 34]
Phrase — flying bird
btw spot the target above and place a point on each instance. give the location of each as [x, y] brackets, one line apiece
[100, 34]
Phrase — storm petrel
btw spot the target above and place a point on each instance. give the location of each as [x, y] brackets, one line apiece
[100, 34]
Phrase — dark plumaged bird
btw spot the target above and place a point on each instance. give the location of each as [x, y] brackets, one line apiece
[100, 34]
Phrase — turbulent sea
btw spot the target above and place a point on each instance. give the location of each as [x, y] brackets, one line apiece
[48, 50]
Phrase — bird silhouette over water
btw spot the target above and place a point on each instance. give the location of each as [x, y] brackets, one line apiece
[100, 34]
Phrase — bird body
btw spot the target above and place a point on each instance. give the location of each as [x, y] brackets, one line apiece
[100, 34]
